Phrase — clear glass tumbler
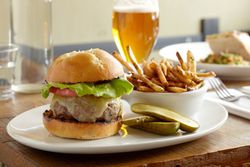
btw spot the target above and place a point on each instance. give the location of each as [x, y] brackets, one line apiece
[135, 24]
[8, 55]
[31, 29]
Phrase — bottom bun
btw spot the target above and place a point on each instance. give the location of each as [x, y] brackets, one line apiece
[80, 130]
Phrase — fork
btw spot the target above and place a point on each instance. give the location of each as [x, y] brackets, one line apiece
[222, 91]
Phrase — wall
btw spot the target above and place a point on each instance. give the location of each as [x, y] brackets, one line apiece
[86, 21]
[4, 21]
[31, 22]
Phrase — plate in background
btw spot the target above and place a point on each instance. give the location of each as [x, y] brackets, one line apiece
[27, 128]
[200, 51]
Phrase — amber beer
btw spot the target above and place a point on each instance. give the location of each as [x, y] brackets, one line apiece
[138, 29]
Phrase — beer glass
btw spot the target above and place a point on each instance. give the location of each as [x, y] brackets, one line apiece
[135, 23]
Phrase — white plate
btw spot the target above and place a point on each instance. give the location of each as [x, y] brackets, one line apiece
[200, 51]
[27, 128]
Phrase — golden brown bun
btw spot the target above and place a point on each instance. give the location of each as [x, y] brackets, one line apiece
[85, 66]
[80, 130]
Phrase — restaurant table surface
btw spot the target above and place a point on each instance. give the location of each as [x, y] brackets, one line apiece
[229, 145]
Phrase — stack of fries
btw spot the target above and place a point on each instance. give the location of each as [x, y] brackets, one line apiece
[163, 76]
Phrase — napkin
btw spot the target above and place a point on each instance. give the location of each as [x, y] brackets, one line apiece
[245, 89]
[240, 108]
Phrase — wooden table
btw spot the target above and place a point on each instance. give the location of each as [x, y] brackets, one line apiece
[229, 145]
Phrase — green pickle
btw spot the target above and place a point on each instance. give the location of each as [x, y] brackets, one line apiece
[163, 114]
[138, 120]
[161, 128]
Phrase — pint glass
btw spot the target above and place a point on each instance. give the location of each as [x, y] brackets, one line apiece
[135, 23]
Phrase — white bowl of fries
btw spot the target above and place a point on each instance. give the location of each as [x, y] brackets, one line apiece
[177, 87]
[185, 103]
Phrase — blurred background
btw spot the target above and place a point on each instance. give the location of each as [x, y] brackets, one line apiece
[89, 21]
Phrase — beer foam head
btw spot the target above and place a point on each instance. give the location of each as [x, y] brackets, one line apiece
[136, 9]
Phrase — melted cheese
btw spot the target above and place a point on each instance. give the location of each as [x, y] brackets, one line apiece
[83, 109]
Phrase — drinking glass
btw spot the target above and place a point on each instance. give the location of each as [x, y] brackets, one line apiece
[135, 23]
[31, 29]
[8, 54]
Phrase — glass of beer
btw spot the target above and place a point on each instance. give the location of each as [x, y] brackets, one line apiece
[135, 23]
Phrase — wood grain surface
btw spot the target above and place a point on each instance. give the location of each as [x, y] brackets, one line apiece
[230, 145]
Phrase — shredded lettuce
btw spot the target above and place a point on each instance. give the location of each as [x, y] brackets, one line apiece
[112, 89]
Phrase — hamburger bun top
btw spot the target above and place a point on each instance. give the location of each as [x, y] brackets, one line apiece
[84, 66]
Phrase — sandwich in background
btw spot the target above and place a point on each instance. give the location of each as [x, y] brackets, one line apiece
[229, 48]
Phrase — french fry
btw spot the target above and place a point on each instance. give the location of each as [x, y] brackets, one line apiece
[123, 62]
[197, 86]
[182, 78]
[134, 61]
[161, 75]
[148, 71]
[206, 74]
[177, 84]
[183, 65]
[155, 87]
[163, 61]
[195, 78]
[145, 89]
[190, 74]
[191, 62]
[171, 77]
[186, 74]
[134, 81]
[131, 79]
[188, 62]
[156, 81]
[190, 77]
[152, 64]
[164, 68]
[176, 89]
[169, 65]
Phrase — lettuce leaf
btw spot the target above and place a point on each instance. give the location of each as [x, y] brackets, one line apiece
[112, 89]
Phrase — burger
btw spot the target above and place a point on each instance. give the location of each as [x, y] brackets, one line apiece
[86, 88]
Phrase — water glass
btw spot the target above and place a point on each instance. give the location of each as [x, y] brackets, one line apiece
[31, 27]
[8, 55]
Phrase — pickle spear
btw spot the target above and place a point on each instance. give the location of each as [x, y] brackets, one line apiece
[138, 120]
[161, 128]
[164, 114]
